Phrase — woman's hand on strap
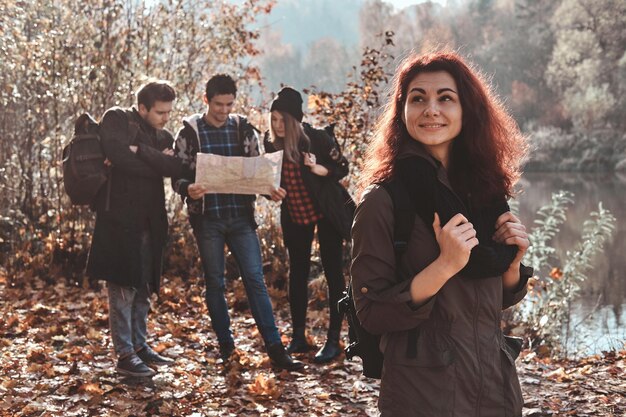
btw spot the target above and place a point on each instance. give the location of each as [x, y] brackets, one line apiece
[456, 240]
[511, 231]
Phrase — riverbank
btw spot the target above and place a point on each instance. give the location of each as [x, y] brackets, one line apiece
[598, 316]
[557, 150]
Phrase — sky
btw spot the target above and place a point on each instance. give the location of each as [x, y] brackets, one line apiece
[400, 4]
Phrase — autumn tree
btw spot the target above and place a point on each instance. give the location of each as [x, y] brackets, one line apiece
[61, 58]
[354, 110]
[585, 65]
[527, 50]
[374, 19]
[328, 62]
[280, 62]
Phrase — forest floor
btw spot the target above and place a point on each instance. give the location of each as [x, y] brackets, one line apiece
[56, 360]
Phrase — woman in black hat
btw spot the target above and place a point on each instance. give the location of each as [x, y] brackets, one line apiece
[311, 197]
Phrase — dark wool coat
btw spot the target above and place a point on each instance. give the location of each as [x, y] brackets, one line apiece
[463, 366]
[329, 197]
[137, 200]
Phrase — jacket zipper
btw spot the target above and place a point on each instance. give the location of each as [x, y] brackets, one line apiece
[476, 313]
[477, 347]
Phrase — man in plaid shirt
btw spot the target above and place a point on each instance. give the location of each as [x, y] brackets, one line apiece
[219, 219]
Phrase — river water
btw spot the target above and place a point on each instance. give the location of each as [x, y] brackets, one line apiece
[599, 316]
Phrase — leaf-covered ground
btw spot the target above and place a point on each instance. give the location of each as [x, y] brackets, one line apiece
[56, 360]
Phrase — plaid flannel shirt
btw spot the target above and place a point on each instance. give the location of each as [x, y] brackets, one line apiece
[299, 202]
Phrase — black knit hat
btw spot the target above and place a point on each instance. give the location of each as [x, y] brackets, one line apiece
[289, 101]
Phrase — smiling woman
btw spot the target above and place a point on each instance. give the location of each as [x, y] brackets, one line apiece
[432, 112]
[448, 143]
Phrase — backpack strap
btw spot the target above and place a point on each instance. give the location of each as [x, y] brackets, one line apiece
[253, 146]
[133, 130]
[238, 123]
[404, 217]
[404, 220]
[240, 135]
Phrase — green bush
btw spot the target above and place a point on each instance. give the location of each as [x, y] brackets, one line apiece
[544, 316]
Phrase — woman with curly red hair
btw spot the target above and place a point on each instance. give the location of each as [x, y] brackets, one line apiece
[447, 141]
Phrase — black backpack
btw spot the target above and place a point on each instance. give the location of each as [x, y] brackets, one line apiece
[84, 171]
[362, 343]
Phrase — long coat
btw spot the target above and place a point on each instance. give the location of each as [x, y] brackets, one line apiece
[463, 366]
[328, 196]
[137, 200]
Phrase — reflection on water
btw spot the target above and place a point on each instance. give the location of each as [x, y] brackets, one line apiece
[599, 317]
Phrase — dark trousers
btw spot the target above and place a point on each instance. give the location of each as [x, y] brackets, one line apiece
[298, 240]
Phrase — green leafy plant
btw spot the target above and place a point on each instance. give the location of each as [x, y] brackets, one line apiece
[547, 311]
[550, 217]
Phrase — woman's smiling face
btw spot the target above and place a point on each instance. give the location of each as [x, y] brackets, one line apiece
[432, 112]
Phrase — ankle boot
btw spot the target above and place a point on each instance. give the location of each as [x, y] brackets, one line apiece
[281, 359]
[298, 343]
[226, 351]
[331, 348]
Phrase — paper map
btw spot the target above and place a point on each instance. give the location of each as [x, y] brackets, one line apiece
[238, 174]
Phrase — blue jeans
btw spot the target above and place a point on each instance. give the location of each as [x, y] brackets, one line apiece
[242, 240]
[128, 307]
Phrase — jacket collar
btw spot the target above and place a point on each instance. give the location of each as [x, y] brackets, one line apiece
[192, 121]
[410, 148]
[145, 126]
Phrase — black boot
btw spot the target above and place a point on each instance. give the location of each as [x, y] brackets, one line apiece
[281, 359]
[226, 351]
[331, 348]
[298, 343]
